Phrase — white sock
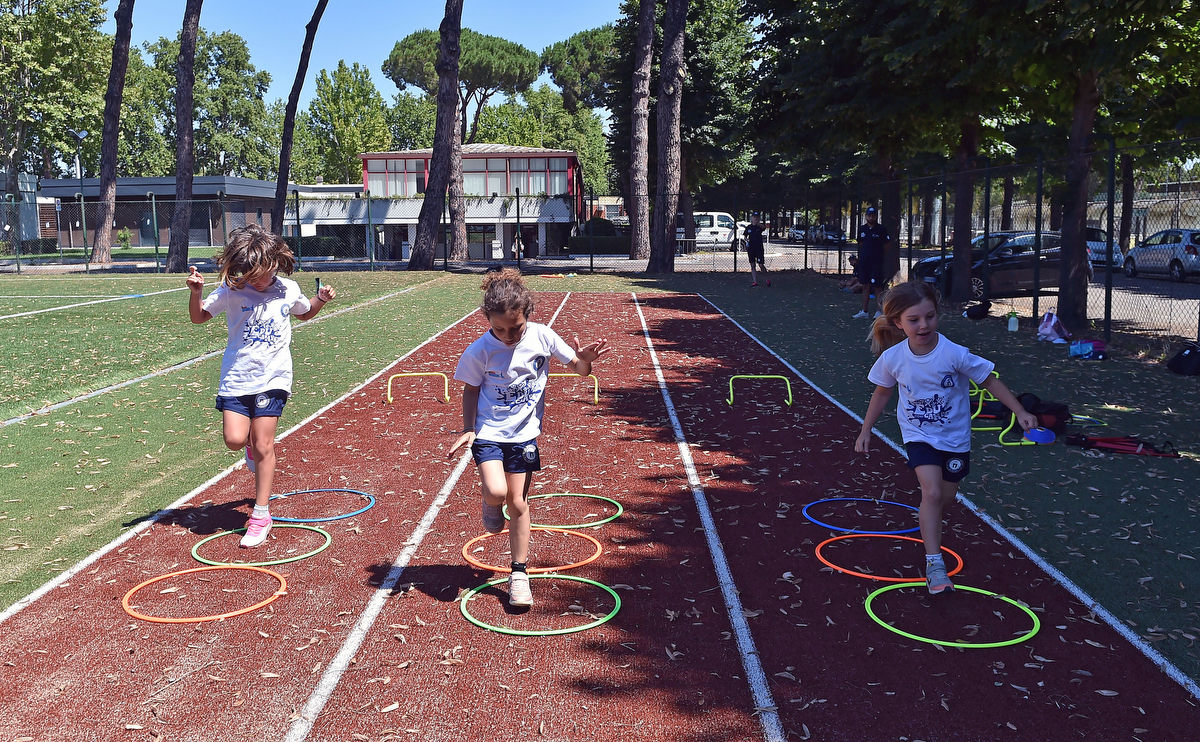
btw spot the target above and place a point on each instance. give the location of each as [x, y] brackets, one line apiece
[260, 511]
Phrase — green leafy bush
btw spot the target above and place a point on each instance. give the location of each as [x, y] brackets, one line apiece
[582, 245]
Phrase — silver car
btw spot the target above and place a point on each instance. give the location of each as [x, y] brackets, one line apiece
[1174, 252]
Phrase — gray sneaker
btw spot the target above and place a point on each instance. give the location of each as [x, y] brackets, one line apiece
[519, 593]
[936, 579]
[493, 517]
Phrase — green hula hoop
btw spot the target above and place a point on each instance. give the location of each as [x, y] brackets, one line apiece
[318, 550]
[1037, 625]
[462, 605]
[593, 524]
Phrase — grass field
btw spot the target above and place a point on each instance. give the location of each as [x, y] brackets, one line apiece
[1122, 527]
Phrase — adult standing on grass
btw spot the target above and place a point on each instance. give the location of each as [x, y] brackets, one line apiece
[504, 376]
[755, 250]
[256, 369]
[873, 239]
[934, 409]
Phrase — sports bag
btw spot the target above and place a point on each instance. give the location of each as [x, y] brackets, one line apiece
[1052, 415]
[1186, 361]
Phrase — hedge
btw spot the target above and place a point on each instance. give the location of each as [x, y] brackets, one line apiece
[618, 245]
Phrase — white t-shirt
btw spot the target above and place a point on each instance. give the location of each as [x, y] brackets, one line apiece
[258, 356]
[511, 381]
[934, 405]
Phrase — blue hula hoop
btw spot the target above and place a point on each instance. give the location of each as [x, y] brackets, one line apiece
[860, 499]
[370, 504]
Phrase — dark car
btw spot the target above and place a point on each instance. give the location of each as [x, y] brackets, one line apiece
[1009, 267]
[930, 269]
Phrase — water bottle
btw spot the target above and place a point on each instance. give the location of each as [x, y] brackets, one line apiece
[1012, 321]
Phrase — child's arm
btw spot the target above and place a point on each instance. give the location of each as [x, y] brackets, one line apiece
[586, 355]
[470, 406]
[879, 400]
[1001, 392]
[195, 282]
[324, 295]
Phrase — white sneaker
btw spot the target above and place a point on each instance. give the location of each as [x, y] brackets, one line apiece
[250, 460]
[257, 530]
[859, 315]
[519, 593]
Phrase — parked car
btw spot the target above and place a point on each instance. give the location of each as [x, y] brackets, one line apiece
[1097, 249]
[1173, 252]
[797, 233]
[712, 228]
[832, 235]
[931, 269]
[1008, 268]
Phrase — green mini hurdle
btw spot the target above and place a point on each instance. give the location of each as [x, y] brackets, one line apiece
[785, 379]
[445, 381]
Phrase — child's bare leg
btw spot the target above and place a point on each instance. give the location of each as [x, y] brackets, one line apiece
[932, 503]
[262, 445]
[518, 515]
[236, 429]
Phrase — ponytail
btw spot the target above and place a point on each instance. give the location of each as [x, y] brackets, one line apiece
[884, 332]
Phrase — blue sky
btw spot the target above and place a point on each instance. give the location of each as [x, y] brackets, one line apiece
[362, 31]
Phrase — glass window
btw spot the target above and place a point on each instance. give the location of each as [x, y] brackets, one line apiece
[420, 183]
[704, 220]
[474, 184]
[410, 184]
[375, 166]
[518, 163]
[612, 211]
[496, 182]
[537, 163]
[1196, 238]
[537, 181]
[558, 184]
[724, 221]
[395, 166]
[497, 164]
[473, 165]
[414, 166]
[558, 163]
[375, 183]
[395, 184]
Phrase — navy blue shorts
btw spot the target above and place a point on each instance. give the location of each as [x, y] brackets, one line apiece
[954, 466]
[517, 457]
[264, 404]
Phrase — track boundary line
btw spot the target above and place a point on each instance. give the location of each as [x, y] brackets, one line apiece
[87, 561]
[189, 362]
[764, 702]
[90, 303]
[1093, 605]
[332, 676]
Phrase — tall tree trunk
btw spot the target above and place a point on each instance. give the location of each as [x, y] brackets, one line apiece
[1128, 186]
[102, 246]
[1073, 278]
[670, 97]
[964, 204]
[458, 199]
[639, 154]
[443, 138]
[1006, 222]
[289, 119]
[185, 79]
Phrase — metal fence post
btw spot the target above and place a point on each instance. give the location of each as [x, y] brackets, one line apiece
[1108, 273]
[299, 237]
[591, 249]
[910, 224]
[370, 233]
[87, 259]
[520, 242]
[154, 228]
[987, 226]
[1037, 237]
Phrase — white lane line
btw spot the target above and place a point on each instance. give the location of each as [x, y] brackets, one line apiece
[764, 702]
[189, 362]
[337, 666]
[90, 303]
[1080, 594]
[156, 517]
[68, 296]
[332, 676]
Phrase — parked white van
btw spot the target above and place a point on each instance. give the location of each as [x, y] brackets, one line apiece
[712, 227]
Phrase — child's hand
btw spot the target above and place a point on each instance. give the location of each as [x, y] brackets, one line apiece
[326, 293]
[466, 439]
[863, 444]
[195, 281]
[592, 350]
[1027, 420]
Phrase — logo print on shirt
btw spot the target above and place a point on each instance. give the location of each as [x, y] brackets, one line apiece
[948, 381]
[516, 395]
[933, 410]
[263, 331]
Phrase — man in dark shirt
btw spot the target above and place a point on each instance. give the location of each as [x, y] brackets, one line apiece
[873, 239]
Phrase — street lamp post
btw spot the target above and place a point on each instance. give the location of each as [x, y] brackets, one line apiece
[80, 135]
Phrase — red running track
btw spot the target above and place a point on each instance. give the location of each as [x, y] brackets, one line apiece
[369, 643]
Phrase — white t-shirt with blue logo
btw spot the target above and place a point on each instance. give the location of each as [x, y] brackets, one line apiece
[258, 356]
[511, 381]
[934, 405]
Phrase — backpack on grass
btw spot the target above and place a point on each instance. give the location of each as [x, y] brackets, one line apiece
[1052, 415]
[1186, 361]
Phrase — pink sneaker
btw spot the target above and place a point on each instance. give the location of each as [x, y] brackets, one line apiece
[250, 460]
[257, 530]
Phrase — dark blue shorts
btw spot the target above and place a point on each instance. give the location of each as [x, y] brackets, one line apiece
[264, 404]
[954, 466]
[517, 457]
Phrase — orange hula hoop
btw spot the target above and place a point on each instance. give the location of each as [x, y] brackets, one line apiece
[199, 619]
[957, 568]
[533, 570]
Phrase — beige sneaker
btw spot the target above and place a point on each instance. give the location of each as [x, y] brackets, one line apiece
[519, 593]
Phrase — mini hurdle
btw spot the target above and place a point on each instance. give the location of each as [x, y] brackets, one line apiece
[595, 385]
[445, 381]
[786, 380]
